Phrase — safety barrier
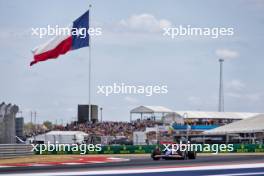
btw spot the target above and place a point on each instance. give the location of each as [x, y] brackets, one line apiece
[124, 149]
[244, 148]
[15, 150]
[144, 149]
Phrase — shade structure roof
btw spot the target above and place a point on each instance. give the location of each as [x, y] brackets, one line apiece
[249, 125]
[151, 109]
[216, 115]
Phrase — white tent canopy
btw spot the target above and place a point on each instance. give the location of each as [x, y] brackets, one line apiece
[62, 137]
[193, 114]
[216, 115]
[249, 125]
[151, 109]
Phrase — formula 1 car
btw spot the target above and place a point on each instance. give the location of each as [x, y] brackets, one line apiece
[157, 154]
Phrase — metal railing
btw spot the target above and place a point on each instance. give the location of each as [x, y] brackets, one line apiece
[15, 150]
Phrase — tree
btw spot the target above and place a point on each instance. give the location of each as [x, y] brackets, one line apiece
[48, 124]
[28, 128]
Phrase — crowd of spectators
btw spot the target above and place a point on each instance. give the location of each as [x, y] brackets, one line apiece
[109, 128]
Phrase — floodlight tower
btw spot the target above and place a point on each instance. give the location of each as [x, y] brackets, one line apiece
[221, 88]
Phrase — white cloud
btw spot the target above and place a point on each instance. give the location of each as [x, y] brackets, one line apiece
[226, 53]
[246, 97]
[233, 95]
[131, 100]
[254, 96]
[144, 22]
[194, 100]
[71, 110]
[235, 85]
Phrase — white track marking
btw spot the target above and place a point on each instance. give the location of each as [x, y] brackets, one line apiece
[109, 160]
[40, 164]
[97, 162]
[240, 174]
[5, 166]
[73, 163]
[148, 170]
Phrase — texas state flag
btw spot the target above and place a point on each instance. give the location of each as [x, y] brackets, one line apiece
[61, 44]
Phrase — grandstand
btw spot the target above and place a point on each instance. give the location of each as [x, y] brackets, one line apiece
[216, 118]
[204, 119]
[250, 130]
[200, 121]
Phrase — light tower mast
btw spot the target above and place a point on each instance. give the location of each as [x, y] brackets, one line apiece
[221, 89]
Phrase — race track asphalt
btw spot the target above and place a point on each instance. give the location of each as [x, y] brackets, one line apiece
[147, 162]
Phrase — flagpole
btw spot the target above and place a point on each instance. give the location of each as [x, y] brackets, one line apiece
[90, 71]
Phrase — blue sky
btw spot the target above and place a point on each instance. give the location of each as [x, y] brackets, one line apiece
[134, 55]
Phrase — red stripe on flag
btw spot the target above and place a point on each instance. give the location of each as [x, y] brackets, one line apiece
[62, 48]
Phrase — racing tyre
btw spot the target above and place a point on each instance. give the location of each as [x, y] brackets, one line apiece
[154, 153]
[184, 156]
[192, 155]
